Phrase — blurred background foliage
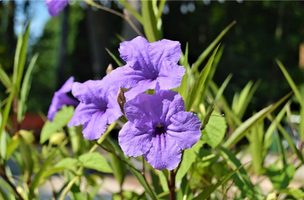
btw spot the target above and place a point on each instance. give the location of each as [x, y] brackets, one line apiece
[74, 43]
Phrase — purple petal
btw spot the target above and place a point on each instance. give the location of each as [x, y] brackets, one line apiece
[170, 75]
[67, 86]
[55, 6]
[88, 91]
[164, 154]
[135, 53]
[164, 50]
[82, 114]
[135, 141]
[96, 126]
[143, 110]
[184, 129]
[60, 98]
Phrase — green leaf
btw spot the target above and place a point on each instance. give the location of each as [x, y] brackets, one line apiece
[291, 83]
[114, 58]
[12, 145]
[290, 143]
[280, 178]
[26, 155]
[95, 161]
[77, 194]
[189, 157]
[6, 81]
[183, 88]
[5, 113]
[268, 139]
[34, 184]
[215, 131]
[202, 57]
[242, 180]
[149, 21]
[60, 120]
[220, 91]
[207, 192]
[240, 132]
[20, 56]
[66, 163]
[255, 137]
[301, 126]
[3, 145]
[296, 193]
[199, 83]
[119, 168]
[28, 136]
[26, 85]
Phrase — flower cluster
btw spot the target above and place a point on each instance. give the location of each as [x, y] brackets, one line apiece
[159, 128]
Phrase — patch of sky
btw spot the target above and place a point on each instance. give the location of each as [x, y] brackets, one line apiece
[39, 13]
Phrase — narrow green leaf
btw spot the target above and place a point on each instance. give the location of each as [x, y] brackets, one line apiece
[12, 145]
[206, 193]
[26, 155]
[5, 79]
[301, 126]
[241, 178]
[114, 58]
[119, 168]
[95, 161]
[136, 173]
[290, 142]
[199, 83]
[26, 85]
[131, 10]
[280, 178]
[271, 129]
[240, 132]
[215, 131]
[220, 91]
[202, 57]
[149, 21]
[184, 87]
[77, 194]
[189, 157]
[6, 111]
[160, 9]
[38, 176]
[237, 106]
[247, 99]
[22, 56]
[229, 114]
[3, 145]
[256, 143]
[291, 83]
[60, 120]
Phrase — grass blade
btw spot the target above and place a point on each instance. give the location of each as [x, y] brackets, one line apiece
[240, 132]
[203, 56]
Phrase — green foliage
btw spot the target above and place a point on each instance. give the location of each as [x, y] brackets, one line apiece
[214, 168]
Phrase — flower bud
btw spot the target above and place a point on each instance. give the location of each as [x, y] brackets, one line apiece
[121, 99]
[109, 69]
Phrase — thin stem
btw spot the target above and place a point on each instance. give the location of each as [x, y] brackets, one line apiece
[4, 176]
[115, 13]
[172, 185]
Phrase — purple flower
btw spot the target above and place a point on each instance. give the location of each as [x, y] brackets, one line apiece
[60, 98]
[158, 128]
[148, 66]
[55, 6]
[98, 107]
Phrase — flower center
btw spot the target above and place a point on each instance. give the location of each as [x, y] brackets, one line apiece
[159, 129]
